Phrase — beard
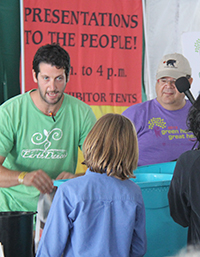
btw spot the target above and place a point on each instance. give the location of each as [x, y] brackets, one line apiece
[54, 101]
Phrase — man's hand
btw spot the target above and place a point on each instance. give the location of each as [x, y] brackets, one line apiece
[40, 180]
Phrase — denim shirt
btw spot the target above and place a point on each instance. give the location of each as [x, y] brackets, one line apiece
[95, 215]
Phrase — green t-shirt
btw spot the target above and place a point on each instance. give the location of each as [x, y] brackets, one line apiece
[31, 140]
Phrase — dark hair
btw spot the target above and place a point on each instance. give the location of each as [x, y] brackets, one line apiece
[112, 147]
[193, 119]
[52, 54]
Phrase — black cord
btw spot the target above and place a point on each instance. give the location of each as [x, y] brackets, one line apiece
[193, 148]
[51, 114]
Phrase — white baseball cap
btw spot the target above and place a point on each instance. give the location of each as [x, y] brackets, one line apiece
[173, 65]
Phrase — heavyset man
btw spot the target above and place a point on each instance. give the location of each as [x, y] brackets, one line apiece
[161, 122]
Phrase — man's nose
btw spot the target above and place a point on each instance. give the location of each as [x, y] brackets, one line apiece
[170, 84]
[52, 85]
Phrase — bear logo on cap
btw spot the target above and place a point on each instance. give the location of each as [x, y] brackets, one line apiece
[170, 63]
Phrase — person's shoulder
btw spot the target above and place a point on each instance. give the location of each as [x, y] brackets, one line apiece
[78, 107]
[187, 165]
[188, 105]
[138, 109]
[133, 184]
[139, 106]
[73, 187]
[73, 100]
[188, 158]
[15, 100]
[190, 153]
[128, 186]
[132, 190]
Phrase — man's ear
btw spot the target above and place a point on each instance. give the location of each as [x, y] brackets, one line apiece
[67, 78]
[190, 80]
[34, 76]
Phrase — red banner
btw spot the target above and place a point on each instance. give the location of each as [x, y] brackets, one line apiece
[104, 40]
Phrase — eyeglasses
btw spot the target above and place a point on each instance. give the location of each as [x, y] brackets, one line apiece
[166, 81]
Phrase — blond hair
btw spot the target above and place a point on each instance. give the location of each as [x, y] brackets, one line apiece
[112, 147]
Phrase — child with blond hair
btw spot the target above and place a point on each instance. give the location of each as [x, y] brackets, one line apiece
[101, 213]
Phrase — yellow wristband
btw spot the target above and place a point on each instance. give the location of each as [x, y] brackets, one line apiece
[21, 177]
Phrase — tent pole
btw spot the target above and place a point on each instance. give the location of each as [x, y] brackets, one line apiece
[22, 47]
[148, 87]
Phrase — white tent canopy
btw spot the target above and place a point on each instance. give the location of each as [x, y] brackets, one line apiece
[167, 26]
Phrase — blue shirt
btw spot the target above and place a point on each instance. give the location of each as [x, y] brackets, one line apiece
[95, 215]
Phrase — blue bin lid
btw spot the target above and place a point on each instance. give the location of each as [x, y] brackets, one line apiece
[152, 180]
[57, 183]
[151, 177]
[166, 167]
